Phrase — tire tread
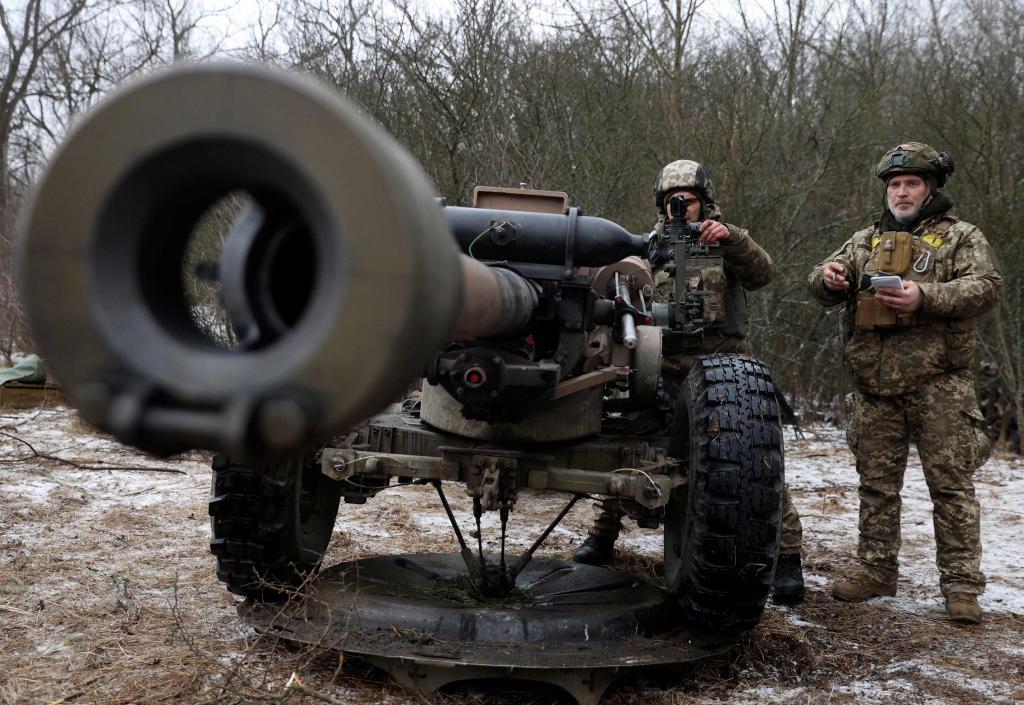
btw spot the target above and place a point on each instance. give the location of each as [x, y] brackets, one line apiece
[734, 497]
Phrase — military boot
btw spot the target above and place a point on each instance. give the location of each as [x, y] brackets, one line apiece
[599, 548]
[862, 587]
[788, 585]
[596, 550]
[963, 608]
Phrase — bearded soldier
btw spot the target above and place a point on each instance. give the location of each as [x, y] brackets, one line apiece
[747, 267]
[910, 344]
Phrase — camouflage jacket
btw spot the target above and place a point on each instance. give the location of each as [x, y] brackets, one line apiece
[745, 260]
[747, 267]
[960, 281]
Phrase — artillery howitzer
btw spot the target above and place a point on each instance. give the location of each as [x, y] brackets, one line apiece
[540, 346]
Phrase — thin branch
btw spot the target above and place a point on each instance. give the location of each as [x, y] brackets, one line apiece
[35, 454]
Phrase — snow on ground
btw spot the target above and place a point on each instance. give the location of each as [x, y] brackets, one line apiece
[821, 477]
[107, 591]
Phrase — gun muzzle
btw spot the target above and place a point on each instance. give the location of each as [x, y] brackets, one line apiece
[343, 274]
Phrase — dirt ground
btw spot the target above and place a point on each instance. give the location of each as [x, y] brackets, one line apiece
[108, 593]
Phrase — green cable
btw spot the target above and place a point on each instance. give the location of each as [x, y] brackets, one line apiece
[476, 239]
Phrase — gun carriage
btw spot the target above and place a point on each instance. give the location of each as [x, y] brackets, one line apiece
[535, 331]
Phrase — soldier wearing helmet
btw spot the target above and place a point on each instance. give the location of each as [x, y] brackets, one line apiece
[914, 284]
[746, 267]
[689, 180]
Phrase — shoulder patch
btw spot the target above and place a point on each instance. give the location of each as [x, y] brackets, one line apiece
[864, 238]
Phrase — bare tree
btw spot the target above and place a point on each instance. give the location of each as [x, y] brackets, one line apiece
[27, 37]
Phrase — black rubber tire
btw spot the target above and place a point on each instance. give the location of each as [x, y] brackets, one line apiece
[270, 524]
[722, 528]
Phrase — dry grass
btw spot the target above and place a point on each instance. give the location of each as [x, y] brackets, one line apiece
[104, 600]
[840, 643]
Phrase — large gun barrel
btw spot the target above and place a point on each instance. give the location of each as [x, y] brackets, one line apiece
[342, 277]
[542, 238]
[370, 261]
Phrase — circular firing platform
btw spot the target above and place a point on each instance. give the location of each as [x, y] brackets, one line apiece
[418, 617]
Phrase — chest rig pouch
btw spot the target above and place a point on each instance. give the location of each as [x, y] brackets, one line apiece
[900, 253]
[705, 276]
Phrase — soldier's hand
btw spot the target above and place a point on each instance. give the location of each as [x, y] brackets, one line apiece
[711, 231]
[905, 300]
[834, 277]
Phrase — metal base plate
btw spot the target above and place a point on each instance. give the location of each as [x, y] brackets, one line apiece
[417, 617]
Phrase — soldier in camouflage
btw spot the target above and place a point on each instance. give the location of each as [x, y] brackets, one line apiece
[910, 348]
[747, 267]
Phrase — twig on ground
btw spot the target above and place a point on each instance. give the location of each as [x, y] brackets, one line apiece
[82, 466]
[294, 684]
[78, 693]
[124, 599]
[14, 610]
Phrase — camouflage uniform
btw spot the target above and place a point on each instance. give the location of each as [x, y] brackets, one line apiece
[914, 384]
[747, 267]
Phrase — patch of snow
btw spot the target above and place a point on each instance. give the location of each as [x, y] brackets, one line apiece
[50, 648]
[33, 489]
[960, 679]
[764, 694]
[870, 692]
[794, 620]
[823, 483]
[644, 542]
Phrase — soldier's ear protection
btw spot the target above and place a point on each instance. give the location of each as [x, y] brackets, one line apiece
[943, 166]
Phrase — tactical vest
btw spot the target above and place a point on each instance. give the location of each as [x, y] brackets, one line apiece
[723, 310]
[725, 303]
[910, 256]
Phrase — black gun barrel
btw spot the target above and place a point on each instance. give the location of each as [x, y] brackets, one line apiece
[346, 272]
[542, 238]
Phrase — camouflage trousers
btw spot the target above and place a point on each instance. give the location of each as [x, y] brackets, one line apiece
[608, 515]
[943, 419]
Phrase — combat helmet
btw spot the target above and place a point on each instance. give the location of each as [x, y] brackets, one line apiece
[916, 158]
[683, 174]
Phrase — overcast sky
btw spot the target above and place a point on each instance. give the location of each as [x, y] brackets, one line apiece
[233, 18]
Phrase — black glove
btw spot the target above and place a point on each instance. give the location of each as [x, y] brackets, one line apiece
[659, 252]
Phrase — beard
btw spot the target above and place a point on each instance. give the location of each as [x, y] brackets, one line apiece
[906, 217]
